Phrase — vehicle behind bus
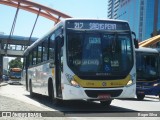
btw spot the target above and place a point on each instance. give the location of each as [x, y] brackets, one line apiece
[148, 72]
[83, 59]
[15, 75]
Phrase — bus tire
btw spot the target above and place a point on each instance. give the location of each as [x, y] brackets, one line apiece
[106, 103]
[140, 96]
[30, 89]
[50, 89]
[54, 100]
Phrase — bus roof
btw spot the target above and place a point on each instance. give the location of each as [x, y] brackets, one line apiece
[147, 50]
[113, 20]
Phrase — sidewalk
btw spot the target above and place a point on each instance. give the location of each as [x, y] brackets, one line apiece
[152, 97]
[3, 83]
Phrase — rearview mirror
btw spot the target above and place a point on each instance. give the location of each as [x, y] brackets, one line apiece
[135, 40]
[136, 43]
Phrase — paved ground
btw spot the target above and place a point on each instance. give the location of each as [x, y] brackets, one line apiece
[15, 97]
[10, 103]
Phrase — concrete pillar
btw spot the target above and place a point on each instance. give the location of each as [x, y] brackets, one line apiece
[155, 25]
[1, 67]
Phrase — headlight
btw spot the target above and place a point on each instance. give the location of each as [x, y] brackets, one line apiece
[132, 79]
[71, 80]
[156, 84]
[129, 83]
[74, 83]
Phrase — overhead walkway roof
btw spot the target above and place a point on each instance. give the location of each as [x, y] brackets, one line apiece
[15, 37]
[16, 45]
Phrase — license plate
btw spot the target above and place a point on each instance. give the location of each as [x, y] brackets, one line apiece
[104, 96]
[140, 92]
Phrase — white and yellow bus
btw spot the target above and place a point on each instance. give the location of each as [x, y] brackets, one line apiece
[83, 59]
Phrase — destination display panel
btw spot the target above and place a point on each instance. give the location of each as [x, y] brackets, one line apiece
[97, 25]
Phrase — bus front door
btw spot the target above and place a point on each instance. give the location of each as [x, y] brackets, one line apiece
[58, 68]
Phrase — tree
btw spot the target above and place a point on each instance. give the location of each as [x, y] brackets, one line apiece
[16, 63]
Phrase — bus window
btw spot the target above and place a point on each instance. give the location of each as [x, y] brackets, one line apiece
[45, 50]
[92, 52]
[35, 56]
[39, 54]
[51, 46]
[30, 59]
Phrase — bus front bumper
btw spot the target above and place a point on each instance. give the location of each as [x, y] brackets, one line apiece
[11, 81]
[73, 93]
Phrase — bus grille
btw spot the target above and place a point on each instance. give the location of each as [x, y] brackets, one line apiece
[95, 93]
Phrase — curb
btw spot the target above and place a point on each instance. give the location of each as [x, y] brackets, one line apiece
[3, 84]
[152, 96]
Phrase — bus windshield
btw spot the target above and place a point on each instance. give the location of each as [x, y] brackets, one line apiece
[99, 53]
[15, 74]
[147, 66]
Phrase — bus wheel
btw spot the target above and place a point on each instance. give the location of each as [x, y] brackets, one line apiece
[30, 89]
[140, 96]
[106, 103]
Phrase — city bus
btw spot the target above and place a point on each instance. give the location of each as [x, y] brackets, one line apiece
[83, 59]
[148, 72]
[15, 75]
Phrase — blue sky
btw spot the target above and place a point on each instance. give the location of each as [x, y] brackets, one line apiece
[25, 20]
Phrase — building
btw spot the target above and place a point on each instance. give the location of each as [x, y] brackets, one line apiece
[5, 65]
[113, 6]
[142, 15]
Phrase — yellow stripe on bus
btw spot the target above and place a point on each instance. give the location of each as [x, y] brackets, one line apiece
[148, 81]
[102, 83]
[52, 71]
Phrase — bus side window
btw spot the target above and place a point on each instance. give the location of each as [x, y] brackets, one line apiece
[39, 54]
[45, 49]
[30, 58]
[24, 62]
[51, 46]
[34, 56]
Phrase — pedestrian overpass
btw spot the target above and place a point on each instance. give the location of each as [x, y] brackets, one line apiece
[15, 45]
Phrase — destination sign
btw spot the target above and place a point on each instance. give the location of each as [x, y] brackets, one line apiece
[97, 25]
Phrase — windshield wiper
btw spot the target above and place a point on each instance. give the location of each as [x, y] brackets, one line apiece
[114, 43]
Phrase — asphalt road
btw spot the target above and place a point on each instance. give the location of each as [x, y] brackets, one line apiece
[16, 98]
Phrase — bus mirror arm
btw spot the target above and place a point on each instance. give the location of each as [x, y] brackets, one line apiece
[135, 40]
